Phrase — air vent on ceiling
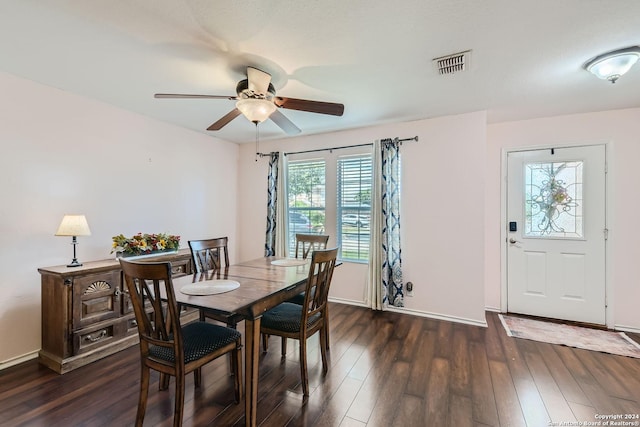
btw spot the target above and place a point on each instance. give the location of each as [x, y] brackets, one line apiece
[455, 63]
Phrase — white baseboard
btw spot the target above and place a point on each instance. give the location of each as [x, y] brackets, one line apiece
[416, 313]
[627, 329]
[348, 302]
[494, 309]
[437, 316]
[17, 360]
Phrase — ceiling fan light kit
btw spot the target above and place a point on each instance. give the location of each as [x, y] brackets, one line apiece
[256, 99]
[611, 65]
[256, 110]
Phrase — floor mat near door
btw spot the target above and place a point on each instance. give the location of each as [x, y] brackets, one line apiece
[573, 336]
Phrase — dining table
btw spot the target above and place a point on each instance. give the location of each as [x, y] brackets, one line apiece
[246, 289]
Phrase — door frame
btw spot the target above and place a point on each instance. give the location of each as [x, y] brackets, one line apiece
[609, 318]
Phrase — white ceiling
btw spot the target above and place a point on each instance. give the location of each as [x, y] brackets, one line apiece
[374, 56]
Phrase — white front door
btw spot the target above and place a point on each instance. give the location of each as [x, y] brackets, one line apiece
[556, 233]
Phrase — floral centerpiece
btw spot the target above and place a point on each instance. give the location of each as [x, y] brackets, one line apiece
[145, 244]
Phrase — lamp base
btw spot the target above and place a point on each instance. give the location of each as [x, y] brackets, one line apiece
[74, 263]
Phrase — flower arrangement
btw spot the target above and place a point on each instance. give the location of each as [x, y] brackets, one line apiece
[143, 244]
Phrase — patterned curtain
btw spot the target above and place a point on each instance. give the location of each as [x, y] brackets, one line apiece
[385, 261]
[272, 200]
[391, 258]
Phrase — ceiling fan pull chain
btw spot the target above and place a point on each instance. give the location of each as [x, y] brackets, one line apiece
[257, 151]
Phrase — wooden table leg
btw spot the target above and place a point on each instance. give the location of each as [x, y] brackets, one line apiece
[251, 357]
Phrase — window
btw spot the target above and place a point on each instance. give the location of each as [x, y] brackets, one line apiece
[305, 198]
[332, 195]
[354, 207]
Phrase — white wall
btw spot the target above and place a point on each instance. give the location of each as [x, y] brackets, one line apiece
[620, 129]
[65, 154]
[128, 174]
[442, 211]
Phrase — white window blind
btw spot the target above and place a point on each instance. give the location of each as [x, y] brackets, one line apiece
[306, 198]
[354, 206]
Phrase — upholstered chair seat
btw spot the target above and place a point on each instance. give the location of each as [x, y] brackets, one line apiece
[200, 339]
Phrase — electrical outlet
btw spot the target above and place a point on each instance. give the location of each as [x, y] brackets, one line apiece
[409, 289]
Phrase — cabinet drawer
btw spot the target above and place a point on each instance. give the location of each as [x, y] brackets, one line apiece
[99, 335]
[180, 267]
[96, 298]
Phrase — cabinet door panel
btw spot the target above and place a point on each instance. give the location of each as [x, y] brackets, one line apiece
[96, 298]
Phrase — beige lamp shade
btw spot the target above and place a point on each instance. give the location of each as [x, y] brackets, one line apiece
[73, 225]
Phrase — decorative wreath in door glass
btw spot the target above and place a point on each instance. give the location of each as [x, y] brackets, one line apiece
[550, 198]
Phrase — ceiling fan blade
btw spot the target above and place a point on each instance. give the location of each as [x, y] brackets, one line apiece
[258, 80]
[187, 96]
[284, 123]
[225, 120]
[310, 106]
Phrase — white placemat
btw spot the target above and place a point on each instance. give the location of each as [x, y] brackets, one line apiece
[289, 262]
[210, 287]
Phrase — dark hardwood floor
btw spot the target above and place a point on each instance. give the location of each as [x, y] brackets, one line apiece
[387, 369]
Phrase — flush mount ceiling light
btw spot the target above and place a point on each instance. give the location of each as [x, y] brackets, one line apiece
[611, 65]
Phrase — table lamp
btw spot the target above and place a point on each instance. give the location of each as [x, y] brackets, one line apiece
[74, 225]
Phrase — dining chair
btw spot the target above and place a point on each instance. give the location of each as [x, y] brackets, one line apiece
[208, 254]
[212, 254]
[165, 345]
[306, 244]
[289, 320]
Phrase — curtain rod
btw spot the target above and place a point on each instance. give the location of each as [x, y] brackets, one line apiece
[396, 139]
[267, 154]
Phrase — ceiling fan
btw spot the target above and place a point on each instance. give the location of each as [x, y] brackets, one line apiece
[256, 99]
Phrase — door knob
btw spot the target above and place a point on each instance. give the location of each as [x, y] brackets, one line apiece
[513, 241]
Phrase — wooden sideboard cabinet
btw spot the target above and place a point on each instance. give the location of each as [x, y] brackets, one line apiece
[86, 313]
